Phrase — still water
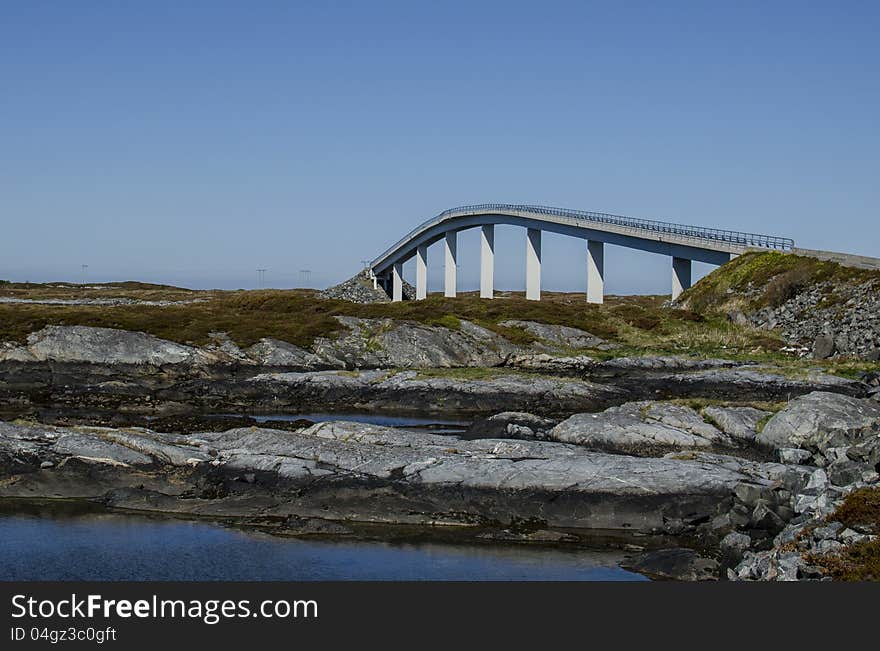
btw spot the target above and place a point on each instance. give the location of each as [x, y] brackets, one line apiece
[387, 420]
[114, 547]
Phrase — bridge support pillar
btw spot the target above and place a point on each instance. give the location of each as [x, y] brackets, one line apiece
[487, 261]
[595, 271]
[681, 276]
[533, 264]
[397, 282]
[449, 276]
[421, 272]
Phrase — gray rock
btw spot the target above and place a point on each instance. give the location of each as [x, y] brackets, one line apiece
[372, 343]
[108, 346]
[740, 423]
[678, 564]
[733, 546]
[828, 546]
[793, 455]
[512, 424]
[823, 347]
[762, 382]
[642, 428]
[668, 363]
[807, 319]
[272, 352]
[351, 471]
[772, 565]
[845, 472]
[556, 335]
[411, 390]
[544, 362]
[850, 536]
[359, 289]
[821, 420]
[827, 532]
[87, 446]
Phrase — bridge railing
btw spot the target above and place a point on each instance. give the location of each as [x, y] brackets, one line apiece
[583, 218]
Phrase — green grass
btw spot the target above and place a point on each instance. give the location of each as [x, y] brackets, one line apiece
[638, 323]
[770, 278]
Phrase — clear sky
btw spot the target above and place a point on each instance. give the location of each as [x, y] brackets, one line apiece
[193, 142]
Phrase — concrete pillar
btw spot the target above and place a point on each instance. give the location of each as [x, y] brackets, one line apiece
[397, 282]
[681, 276]
[451, 263]
[533, 264]
[421, 272]
[595, 271]
[487, 261]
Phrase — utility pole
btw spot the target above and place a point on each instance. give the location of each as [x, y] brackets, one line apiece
[305, 275]
[83, 268]
[261, 277]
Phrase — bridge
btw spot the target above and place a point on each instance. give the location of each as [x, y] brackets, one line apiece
[682, 243]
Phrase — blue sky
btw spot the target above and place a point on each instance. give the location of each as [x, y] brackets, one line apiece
[193, 142]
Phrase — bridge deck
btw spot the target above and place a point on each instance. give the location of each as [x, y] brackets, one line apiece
[614, 229]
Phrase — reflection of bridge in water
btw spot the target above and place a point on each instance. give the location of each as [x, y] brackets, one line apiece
[682, 243]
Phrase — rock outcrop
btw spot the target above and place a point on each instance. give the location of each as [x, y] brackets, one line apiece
[739, 423]
[557, 335]
[821, 421]
[641, 428]
[108, 346]
[356, 472]
[378, 343]
[409, 390]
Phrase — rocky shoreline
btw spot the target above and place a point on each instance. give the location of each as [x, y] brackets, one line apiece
[380, 364]
[738, 466]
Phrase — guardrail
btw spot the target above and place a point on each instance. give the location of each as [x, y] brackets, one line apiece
[639, 225]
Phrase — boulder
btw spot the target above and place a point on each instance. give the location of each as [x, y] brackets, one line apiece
[512, 424]
[733, 546]
[550, 363]
[679, 564]
[739, 423]
[822, 420]
[272, 352]
[823, 347]
[640, 428]
[793, 455]
[556, 335]
[108, 346]
[371, 343]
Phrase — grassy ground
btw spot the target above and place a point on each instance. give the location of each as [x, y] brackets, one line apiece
[639, 324]
[299, 316]
[755, 280]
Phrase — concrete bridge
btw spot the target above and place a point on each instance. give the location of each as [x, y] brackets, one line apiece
[681, 243]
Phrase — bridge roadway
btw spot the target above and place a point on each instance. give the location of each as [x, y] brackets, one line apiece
[680, 242]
